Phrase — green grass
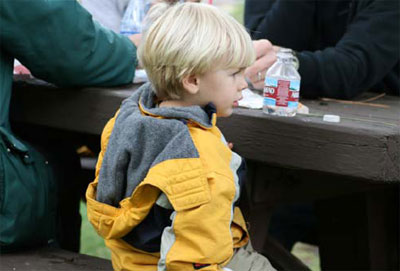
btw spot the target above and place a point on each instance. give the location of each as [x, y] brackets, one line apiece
[91, 243]
[308, 254]
[238, 12]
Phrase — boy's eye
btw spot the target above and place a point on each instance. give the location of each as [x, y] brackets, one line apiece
[237, 72]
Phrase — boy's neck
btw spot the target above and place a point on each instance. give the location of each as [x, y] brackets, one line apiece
[175, 103]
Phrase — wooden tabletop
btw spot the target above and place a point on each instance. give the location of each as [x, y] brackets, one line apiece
[364, 144]
[44, 259]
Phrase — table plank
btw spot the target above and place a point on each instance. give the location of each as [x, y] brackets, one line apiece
[352, 148]
[365, 144]
[44, 259]
[76, 110]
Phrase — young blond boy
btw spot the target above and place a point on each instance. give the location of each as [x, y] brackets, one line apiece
[166, 181]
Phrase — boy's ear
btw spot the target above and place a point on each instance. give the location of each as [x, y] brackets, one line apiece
[191, 84]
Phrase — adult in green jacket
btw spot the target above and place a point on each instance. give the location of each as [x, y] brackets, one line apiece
[59, 42]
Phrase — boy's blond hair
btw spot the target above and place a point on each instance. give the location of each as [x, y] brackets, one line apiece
[191, 39]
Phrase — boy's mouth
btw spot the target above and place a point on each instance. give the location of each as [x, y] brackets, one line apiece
[236, 103]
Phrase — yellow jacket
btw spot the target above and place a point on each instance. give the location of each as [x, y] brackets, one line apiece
[196, 187]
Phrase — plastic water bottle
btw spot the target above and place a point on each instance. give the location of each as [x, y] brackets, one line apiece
[282, 86]
[131, 22]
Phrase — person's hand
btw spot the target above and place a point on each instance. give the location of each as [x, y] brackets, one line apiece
[136, 38]
[265, 57]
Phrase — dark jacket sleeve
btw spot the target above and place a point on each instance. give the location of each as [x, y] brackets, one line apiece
[364, 55]
[59, 42]
[367, 52]
[285, 23]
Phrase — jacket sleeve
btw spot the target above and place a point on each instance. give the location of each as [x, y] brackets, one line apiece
[367, 52]
[268, 19]
[200, 235]
[59, 42]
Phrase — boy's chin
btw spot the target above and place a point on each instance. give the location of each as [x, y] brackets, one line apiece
[225, 113]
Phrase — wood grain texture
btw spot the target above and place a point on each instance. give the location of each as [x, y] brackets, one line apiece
[44, 259]
[77, 110]
[350, 148]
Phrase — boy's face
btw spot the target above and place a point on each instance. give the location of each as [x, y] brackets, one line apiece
[223, 88]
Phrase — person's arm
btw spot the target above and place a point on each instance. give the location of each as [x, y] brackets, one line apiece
[59, 42]
[286, 23]
[365, 54]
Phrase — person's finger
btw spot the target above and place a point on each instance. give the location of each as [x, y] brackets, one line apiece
[262, 47]
[230, 145]
[260, 65]
[259, 84]
[136, 39]
[276, 48]
[259, 76]
[265, 57]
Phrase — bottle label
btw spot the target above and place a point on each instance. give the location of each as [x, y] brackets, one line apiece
[284, 93]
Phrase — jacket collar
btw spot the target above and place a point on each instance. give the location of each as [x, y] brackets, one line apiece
[202, 116]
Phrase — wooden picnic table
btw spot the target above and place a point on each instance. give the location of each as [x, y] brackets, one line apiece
[52, 259]
[349, 169]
